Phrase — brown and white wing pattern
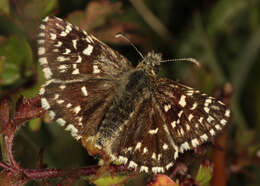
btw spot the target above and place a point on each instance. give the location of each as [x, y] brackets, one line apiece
[172, 119]
[80, 72]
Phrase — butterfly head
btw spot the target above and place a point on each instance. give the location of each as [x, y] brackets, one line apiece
[151, 63]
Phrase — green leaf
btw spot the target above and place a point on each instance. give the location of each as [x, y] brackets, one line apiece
[35, 124]
[40, 8]
[204, 175]
[16, 60]
[109, 180]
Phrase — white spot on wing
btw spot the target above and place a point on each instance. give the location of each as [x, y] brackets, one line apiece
[62, 87]
[204, 137]
[45, 103]
[42, 27]
[56, 96]
[187, 127]
[77, 109]
[212, 132]
[96, 69]
[43, 61]
[206, 109]
[61, 121]
[79, 59]
[84, 91]
[223, 122]
[208, 100]
[169, 165]
[41, 51]
[144, 169]
[173, 124]
[153, 131]
[73, 130]
[184, 146]
[67, 51]
[53, 36]
[62, 58]
[167, 107]
[41, 34]
[76, 71]
[42, 91]
[58, 44]
[195, 104]
[182, 132]
[45, 19]
[195, 142]
[154, 156]
[217, 127]
[138, 146]
[157, 169]
[189, 93]
[63, 34]
[182, 101]
[190, 117]
[60, 101]
[122, 159]
[74, 42]
[130, 149]
[132, 164]
[165, 146]
[68, 105]
[63, 67]
[52, 115]
[41, 41]
[227, 113]
[87, 51]
[210, 119]
[180, 113]
[47, 72]
[145, 150]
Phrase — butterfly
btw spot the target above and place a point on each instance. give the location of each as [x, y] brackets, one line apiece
[133, 116]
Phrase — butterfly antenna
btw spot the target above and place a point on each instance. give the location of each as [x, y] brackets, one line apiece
[125, 37]
[192, 60]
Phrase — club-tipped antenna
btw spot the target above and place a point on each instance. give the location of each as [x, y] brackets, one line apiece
[192, 60]
[125, 37]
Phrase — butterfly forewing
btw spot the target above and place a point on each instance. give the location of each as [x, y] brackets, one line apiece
[81, 73]
[66, 52]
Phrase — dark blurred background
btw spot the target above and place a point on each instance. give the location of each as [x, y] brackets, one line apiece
[224, 35]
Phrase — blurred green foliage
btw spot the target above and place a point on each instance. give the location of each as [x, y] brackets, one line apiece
[224, 35]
